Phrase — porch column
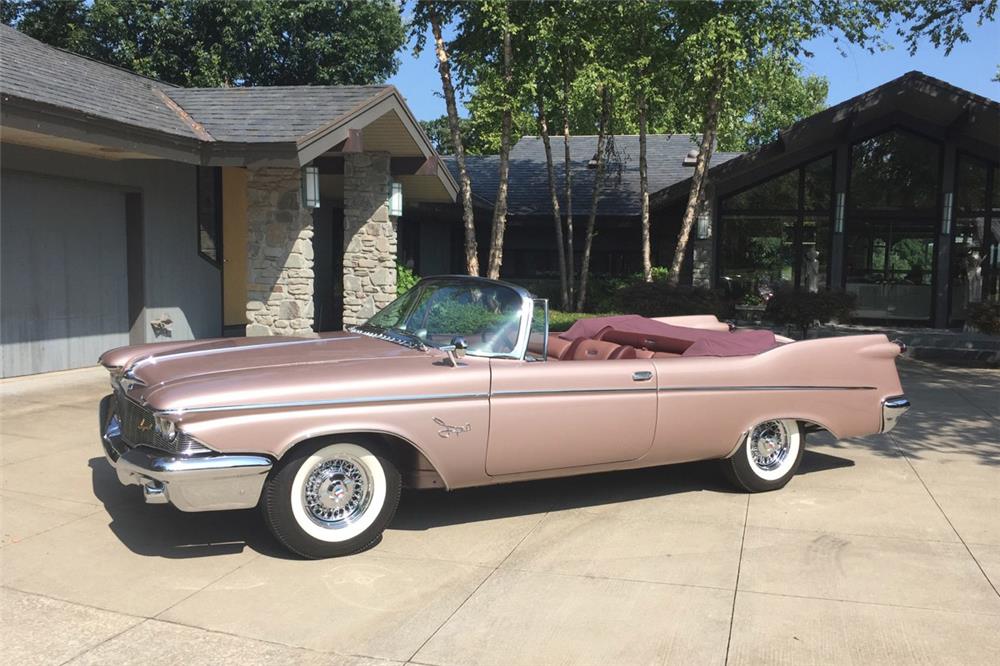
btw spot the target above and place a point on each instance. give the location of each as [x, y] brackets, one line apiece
[279, 254]
[369, 236]
[942, 247]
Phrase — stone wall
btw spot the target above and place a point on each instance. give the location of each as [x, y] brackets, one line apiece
[369, 237]
[280, 254]
[701, 269]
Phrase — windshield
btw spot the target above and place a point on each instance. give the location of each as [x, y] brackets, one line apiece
[486, 315]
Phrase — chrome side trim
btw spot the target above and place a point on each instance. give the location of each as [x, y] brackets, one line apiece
[340, 402]
[624, 389]
[692, 389]
[892, 409]
[153, 358]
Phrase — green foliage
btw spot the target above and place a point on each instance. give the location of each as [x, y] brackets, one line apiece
[462, 318]
[803, 309]
[984, 317]
[405, 279]
[474, 144]
[661, 299]
[560, 321]
[225, 42]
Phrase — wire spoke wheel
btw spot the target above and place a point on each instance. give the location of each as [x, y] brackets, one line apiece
[769, 445]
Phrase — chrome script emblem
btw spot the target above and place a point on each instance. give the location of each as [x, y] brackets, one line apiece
[447, 431]
[144, 425]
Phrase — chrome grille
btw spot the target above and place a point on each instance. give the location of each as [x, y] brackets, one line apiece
[138, 427]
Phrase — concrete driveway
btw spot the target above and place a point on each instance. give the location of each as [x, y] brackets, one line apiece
[882, 550]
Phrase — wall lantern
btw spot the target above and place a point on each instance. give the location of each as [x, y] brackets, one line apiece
[949, 200]
[395, 201]
[838, 219]
[704, 224]
[310, 187]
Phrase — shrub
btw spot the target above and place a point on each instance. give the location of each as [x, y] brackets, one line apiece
[804, 309]
[405, 279]
[660, 299]
[561, 321]
[984, 317]
[462, 318]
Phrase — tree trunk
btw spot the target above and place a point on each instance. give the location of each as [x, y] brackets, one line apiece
[647, 253]
[465, 184]
[696, 196]
[568, 178]
[588, 239]
[500, 209]
[543, 128]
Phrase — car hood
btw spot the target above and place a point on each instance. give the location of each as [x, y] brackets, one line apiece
[231, 371]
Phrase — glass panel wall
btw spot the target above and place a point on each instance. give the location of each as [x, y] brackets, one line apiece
[973, 245]
[776, 234]
[892, 219]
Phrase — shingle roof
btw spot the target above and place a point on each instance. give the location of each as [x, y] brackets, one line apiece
[37, 72]
[529, 185]
[269, 114]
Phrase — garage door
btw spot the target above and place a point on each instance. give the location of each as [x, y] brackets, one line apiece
[64, 278]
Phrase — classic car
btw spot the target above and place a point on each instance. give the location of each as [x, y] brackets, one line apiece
[459, 383]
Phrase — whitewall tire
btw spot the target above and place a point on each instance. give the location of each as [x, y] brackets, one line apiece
[768, 457]
[328, 499]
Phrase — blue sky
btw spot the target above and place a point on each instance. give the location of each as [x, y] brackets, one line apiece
[969, 66]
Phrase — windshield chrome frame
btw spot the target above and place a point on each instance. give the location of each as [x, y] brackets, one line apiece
[520, 350]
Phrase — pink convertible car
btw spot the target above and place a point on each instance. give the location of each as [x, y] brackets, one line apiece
[459, 383]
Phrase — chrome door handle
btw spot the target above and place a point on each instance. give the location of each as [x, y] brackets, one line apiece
[642, 376]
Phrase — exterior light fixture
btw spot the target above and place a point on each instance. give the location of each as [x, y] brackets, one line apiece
[704, 224]
[838, 219]
[949, 200]
[395, 200]
[310, 187]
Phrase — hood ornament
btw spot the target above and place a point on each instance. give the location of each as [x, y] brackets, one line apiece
[447, 431]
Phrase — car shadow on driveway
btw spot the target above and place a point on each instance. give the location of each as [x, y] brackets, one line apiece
[421, 510]
[160, 530]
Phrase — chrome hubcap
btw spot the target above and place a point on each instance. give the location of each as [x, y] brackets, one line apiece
[769, 445]
[337, 492]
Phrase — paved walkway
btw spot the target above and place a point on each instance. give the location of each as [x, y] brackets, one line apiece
[882, 550]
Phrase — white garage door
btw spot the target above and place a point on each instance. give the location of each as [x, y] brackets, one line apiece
[64, 277]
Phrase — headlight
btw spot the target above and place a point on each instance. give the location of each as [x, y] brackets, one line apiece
[166, 428]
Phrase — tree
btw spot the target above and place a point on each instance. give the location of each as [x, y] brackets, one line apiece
[225, 42]
[437, 14]
[439, 132]
[600, 159]
[500, 15]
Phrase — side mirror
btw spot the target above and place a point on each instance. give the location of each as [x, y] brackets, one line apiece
[455, 350]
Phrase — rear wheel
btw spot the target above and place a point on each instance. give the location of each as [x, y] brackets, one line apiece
[331, 499]
[768, 457]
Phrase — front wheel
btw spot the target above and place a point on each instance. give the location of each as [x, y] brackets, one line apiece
[331, 499]
[768, 456]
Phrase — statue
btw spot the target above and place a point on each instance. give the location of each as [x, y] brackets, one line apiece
[810, 272]
[973, 276]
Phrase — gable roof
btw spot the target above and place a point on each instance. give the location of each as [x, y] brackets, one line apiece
[271, 114]
[914, 96]
[34, 71]
[286, 124]
[528, 188]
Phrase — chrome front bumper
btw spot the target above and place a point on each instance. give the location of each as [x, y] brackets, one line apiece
[892, 409]
[203, 482]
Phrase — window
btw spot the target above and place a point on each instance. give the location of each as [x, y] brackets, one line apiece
[777, 233]
[210, 214]
[897, 171]
[893, 215]
[973, 257]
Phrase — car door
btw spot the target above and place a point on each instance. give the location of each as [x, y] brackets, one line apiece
[547, 415]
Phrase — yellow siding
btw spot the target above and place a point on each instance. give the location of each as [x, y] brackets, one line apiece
[234, 245]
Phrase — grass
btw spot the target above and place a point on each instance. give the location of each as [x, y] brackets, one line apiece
[560, 321]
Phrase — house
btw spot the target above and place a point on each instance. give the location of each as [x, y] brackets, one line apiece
[135, 211]
[530, 238]
[893, 196]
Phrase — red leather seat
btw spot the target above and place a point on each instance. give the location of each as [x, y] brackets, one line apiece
[587, 349]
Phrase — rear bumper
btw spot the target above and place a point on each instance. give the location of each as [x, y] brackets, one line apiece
[205, 482]
[892, 409]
